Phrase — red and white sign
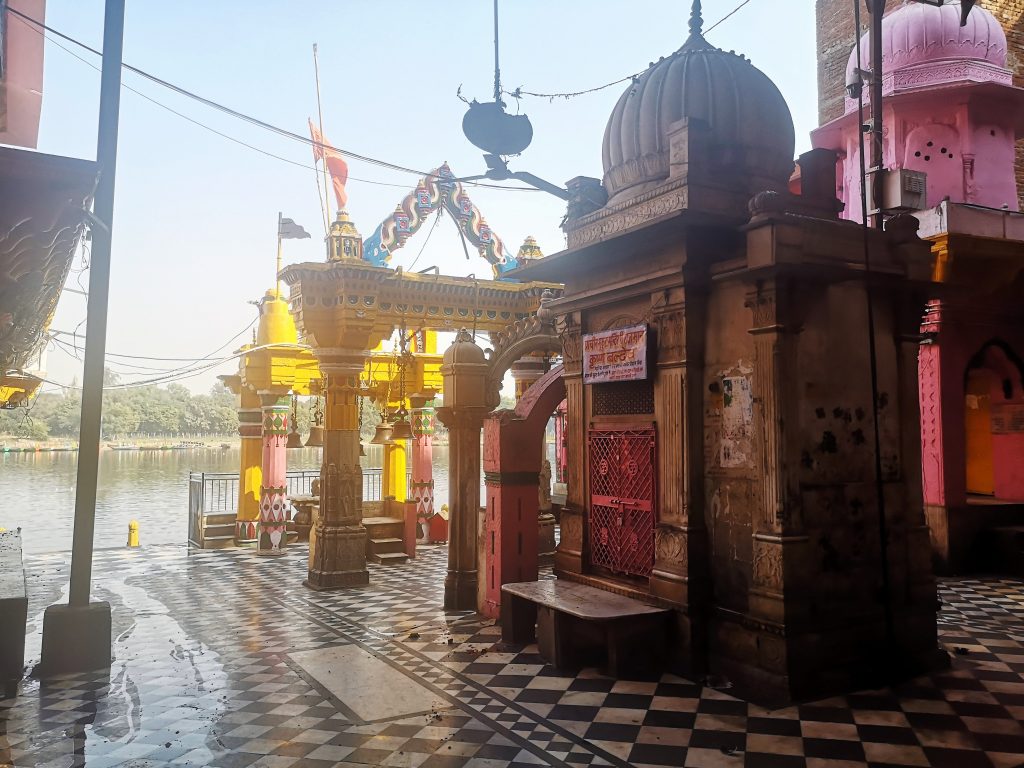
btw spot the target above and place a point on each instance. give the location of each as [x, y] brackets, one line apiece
[619, 355]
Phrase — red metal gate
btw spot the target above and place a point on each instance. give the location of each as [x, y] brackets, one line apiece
[622, 489]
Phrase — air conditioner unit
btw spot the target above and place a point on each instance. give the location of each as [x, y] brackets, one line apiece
[903, 190]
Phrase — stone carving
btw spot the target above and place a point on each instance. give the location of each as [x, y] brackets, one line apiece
[637, 213]
[572, 348]
[768, 565]
[671, 549]
[671, 336]
[762, 305]
[544, 488]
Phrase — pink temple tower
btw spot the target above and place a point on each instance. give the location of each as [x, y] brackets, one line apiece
[952, 112]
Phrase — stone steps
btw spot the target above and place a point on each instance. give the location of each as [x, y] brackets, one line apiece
[385, 542]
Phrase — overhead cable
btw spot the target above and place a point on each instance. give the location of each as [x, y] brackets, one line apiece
[254, 120]
[520, 92]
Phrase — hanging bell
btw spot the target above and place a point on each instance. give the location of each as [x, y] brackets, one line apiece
[383, 434]
[316, 437]
[401, 431]
[294, 439]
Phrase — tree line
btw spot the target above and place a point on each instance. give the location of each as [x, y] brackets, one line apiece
[171, 411]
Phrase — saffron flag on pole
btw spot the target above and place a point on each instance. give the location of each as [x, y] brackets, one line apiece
[289, 230]
[336, 164]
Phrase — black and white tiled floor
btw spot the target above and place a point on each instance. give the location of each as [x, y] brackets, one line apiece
[205, 675]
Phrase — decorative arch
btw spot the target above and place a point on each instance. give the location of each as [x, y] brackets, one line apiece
[999, 357]
[994, 422]
[437, 190]
[513, 462]
[522, 338]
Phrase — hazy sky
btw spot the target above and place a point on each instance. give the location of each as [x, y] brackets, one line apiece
[194, 229]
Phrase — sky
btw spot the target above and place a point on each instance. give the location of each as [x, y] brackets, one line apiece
[195, 213]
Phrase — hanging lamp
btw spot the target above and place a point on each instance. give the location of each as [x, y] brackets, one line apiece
[294, 439]
[316, 429]
[402, 429]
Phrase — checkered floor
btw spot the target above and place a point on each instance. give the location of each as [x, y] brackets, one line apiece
[205, 675]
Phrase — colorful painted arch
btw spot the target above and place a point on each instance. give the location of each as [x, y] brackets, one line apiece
[437, 189]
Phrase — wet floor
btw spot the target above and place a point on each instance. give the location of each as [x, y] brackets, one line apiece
[224, 659]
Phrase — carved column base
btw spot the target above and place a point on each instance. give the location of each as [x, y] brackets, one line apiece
[545, 538]
[338, 558]
[460, 591]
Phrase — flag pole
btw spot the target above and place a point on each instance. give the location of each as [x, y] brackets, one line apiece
[320, 117]
[277, 274]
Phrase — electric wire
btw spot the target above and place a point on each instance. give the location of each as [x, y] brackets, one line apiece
[520, 92]
[309, 142]
[876, 111]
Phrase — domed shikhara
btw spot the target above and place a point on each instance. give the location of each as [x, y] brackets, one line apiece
[925, 45]
[751, 129]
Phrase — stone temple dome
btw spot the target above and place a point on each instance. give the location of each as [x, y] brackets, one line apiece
[920, 42]
[751, 128]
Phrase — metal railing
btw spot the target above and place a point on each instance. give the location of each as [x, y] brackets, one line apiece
[216, 493]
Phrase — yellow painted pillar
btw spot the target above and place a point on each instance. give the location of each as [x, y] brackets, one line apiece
[395, 463]
[250, 473]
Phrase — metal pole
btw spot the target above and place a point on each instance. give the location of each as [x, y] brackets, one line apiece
[99, 288]
[277, 279]
[877, 9]
[497, 70]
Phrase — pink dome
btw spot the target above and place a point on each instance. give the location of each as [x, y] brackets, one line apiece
[916, 34]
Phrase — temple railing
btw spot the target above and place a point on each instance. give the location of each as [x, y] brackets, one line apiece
[216, 493]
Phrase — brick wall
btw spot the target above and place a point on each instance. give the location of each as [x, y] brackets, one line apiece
[836, 38]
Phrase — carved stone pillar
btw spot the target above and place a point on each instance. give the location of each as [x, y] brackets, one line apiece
[569, 555]
[778, 544]
[464, 429]
[273, 531]
[250, 472]
[338, 556]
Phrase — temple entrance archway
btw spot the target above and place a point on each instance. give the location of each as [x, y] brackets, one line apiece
[514, 476]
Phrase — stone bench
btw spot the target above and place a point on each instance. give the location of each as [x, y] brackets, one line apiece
[13, 608]
[569, 620]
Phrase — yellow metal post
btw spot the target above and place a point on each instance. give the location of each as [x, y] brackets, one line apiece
[395, 462]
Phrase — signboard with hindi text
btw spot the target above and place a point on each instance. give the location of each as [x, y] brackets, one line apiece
[619, 355]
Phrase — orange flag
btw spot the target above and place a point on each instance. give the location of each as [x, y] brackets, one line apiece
[336, 165]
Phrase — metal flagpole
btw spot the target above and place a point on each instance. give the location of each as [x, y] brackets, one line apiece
[323, 159]
[277, 273]
[77, 636]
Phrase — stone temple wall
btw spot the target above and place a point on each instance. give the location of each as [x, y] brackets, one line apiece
[835, 41]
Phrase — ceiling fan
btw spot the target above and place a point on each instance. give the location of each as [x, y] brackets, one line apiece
[488, 126]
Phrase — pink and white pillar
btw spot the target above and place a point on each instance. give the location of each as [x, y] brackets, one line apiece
[422, 484]
[273, 491]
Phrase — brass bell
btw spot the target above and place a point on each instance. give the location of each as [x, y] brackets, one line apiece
[316, 437]
[294, 440]
[401, 430]
[383, 434]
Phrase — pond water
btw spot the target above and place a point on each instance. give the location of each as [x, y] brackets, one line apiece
[38, 491]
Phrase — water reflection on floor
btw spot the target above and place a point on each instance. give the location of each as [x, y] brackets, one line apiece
[38, 491]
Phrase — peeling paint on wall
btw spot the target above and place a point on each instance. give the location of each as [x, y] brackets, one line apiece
[737, 418]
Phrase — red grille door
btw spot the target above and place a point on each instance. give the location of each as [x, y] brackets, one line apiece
[622, 514]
